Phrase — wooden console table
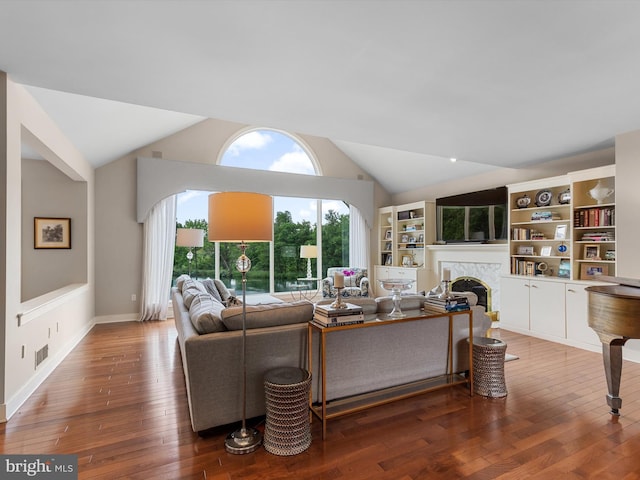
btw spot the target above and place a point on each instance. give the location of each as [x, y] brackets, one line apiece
[344, 406]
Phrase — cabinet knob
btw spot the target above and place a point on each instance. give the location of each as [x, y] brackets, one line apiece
[571, 290]
[526, 285]
[534, 286]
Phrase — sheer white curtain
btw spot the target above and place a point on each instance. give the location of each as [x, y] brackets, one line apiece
[159, 240]
[359, 238]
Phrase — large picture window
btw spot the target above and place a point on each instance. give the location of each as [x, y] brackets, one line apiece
[276, 266]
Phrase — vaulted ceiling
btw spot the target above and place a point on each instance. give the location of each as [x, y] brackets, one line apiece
[399, 85]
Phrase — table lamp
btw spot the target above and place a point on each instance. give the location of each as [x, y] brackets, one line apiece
[309, 252]
[241, 217]
[192, 238]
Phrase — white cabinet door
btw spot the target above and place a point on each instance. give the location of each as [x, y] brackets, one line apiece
[577, 312]
[514, 304]
[546, 308]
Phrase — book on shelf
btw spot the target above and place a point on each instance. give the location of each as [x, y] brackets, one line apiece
[338, 321]
[326, 310]
[545, 216]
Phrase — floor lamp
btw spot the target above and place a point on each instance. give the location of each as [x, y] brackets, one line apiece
[241, 217]
[309, 252]
[192, 238]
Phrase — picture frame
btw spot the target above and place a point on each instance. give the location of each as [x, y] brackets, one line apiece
[51, 233]
[405, 239]
[591, 252]
[421, 238]
[387, 246]
[545, 251]
[561, 232]
[525, 250]
[564, 269]
[389, 260]
[590, 271]
[407, 260]
[387, 235]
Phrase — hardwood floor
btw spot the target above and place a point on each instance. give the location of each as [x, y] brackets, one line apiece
[119, 403]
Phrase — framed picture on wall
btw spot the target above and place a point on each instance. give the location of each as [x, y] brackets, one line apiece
[51, 232]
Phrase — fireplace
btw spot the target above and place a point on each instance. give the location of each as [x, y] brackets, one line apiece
[479, 277]
[475, 285]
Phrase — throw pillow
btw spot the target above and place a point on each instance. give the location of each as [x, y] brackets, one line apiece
[223, 290]
[210, 286]
[205, 314]
[190, 289]
[180, 280]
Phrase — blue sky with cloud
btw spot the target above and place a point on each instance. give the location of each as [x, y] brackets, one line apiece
[263, 150]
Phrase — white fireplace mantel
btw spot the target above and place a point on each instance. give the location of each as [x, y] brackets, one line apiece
[486, 262]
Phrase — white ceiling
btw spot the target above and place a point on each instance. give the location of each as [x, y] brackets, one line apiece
[398, 85]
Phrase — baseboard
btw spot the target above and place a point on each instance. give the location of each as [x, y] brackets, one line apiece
[46, 368]
[125, 317]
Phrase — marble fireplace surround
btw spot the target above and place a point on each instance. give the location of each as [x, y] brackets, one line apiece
[485, 262]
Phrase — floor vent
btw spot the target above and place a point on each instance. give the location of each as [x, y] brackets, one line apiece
[42, 354]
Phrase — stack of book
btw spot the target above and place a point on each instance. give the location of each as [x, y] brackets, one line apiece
[453, 303]
[328, 316]
[545, 216]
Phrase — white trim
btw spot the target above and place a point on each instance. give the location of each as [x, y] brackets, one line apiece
[124, 317]
[158, 178]
[38, 306]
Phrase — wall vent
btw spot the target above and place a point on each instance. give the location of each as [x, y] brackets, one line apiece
[42, 354]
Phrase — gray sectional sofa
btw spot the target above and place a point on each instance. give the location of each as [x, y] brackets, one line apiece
[358, 361]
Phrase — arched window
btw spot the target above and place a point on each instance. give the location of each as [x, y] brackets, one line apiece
[276, 267]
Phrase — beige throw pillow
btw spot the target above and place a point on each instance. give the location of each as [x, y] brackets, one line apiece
[205, 314]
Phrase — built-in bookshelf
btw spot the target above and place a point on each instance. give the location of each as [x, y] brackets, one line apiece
[403, 232]
[564, 226]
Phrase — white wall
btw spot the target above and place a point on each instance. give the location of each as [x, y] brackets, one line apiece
[65, 320]
[628, 204]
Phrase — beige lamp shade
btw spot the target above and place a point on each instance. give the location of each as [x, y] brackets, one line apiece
[308, 251]
[240, 217]
[189, 237]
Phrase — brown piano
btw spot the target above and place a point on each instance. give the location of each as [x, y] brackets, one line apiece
[614, 314]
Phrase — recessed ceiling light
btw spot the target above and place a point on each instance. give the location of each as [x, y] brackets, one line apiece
[453, 159]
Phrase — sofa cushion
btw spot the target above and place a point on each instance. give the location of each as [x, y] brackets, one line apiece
[210, 287]
[408, 302]
[268, 315]
[191, 288]
[205, 313]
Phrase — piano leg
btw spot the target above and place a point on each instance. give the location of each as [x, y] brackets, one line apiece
[612, 355]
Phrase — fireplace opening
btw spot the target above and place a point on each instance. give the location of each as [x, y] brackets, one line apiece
[471, 284]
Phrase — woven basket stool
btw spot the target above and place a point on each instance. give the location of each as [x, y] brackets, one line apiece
[287, 429]
[488, 367]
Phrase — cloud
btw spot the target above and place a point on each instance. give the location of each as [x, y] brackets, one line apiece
[251, 141]
[190, 195]
[296, 161]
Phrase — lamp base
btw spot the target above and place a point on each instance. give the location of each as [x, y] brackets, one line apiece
[243, 440]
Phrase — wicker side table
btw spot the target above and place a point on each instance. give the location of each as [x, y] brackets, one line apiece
[488, 367]
[287, 428]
